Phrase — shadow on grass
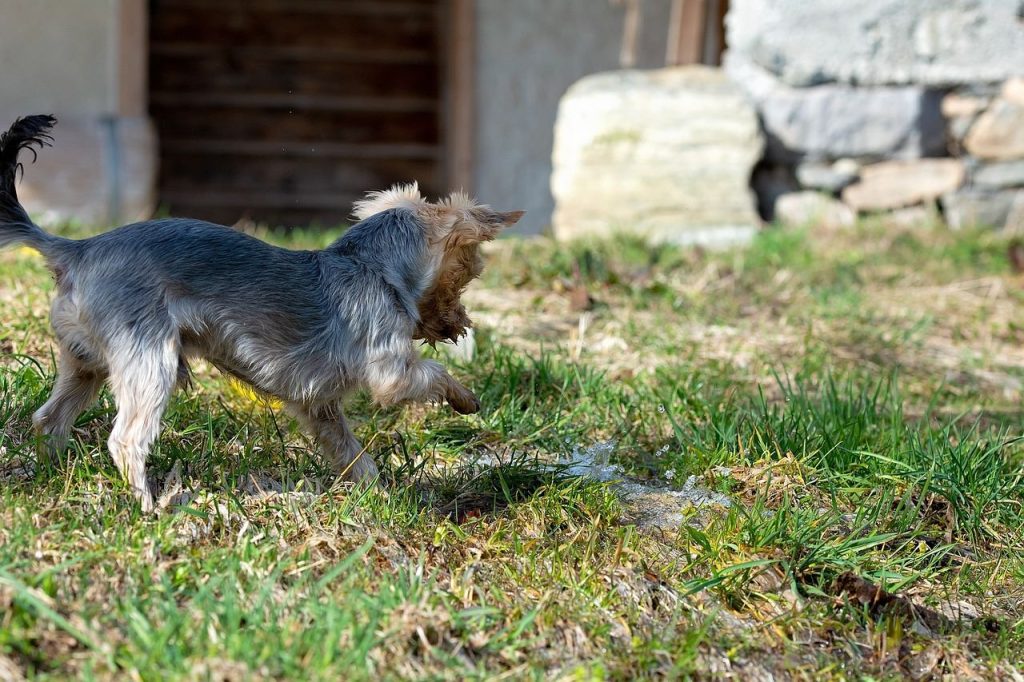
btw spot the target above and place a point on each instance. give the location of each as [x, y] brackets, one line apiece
[474, 489]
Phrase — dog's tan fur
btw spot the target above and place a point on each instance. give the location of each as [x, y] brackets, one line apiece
[459, 225]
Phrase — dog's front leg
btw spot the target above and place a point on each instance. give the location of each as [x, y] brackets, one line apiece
[412, 378]
[338, 445]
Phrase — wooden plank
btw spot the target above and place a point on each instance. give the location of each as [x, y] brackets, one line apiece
[245, 28]
[328, 53]
[686, 32]
[311, 6]
[131, 58]
[460, 94]
[263, 148]
[195, 171]
[292, 102]
[308, 127]
[224, 71]
[302, 200]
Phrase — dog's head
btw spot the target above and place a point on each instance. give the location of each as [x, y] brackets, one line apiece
[454, 227]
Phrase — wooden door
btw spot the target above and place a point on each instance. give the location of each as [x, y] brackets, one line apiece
[285, 111]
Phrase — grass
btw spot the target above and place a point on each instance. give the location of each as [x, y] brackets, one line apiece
[855, 397]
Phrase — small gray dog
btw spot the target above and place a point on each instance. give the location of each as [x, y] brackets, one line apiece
[133, 305]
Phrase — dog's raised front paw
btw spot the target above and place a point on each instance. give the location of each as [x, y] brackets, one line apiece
[463, 401]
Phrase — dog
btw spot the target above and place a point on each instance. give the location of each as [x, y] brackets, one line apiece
[134, 305]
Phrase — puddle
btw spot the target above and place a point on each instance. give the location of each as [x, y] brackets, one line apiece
[650, 505]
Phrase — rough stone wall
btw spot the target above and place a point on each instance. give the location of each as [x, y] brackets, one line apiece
[881, 105]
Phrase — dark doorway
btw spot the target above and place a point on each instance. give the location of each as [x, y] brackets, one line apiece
[285, 111]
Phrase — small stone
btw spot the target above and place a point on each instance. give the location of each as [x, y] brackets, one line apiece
[971, 208]
[1013, 91]
[955, 105]
[1000, 174]
[813, 209]
[998, 133]
[827, 177]
[895, 184]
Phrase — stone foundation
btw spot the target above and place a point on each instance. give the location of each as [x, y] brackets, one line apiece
[97, 173]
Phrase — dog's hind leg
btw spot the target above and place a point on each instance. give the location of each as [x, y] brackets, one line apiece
[75, 389]
[338, 445]
[142, 382]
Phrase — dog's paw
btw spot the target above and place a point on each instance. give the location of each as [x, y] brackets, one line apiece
[463, 401]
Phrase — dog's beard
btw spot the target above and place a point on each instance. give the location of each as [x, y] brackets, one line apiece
[442, 315]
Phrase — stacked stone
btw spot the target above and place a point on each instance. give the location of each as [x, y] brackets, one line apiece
[889, 106]
[988, 133]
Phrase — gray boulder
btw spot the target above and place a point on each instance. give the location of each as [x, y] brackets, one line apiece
[665, 154]
[833, 121]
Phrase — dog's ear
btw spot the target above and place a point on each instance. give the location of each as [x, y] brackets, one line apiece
[481, 224]
[507, 219]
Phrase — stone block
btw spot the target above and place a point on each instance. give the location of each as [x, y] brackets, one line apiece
[895, 184]
[813, 209]
[97, 173]
[836, 121]
[666, 154]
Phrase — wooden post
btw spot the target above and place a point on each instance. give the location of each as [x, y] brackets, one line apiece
[686, 32]
[132, 57]
[460, 93]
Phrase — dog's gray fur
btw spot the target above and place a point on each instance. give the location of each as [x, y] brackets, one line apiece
[133, 305]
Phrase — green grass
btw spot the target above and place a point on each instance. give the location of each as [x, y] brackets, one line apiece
[856, 396]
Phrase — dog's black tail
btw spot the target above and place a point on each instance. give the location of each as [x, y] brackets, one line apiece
[16, 227]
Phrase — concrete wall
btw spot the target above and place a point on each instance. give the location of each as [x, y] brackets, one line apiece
[85, 62]
[528, 54]
[48, 67]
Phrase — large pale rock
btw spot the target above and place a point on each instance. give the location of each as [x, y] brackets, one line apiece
[813, 209]
[880, 42]
[979, 208]
[97, 173]
[999, 132]
[666, 154]
[895, 184]
[834, 121]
